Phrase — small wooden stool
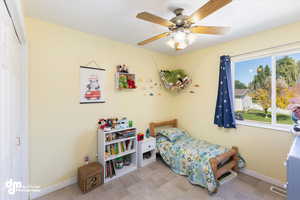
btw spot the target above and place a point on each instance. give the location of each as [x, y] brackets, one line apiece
[90, 176]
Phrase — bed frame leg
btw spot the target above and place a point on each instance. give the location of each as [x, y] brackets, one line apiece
[213, 192]
[236, 158]
[214, 165]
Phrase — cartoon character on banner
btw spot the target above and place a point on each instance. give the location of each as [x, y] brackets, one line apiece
[93, 88]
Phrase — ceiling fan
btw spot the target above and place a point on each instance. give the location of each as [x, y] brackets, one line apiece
[181, 27]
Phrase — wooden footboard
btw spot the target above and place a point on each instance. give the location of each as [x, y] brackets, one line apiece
[230, 158]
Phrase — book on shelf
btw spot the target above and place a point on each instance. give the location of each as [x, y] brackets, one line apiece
[126, 144]
[112, 149]
[107, 150]
[107, 170]
[120, 135]
[110, 169]
[132, 145]
[116, 148]
[120, 147]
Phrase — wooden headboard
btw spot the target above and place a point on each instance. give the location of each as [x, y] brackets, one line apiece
[153, 125]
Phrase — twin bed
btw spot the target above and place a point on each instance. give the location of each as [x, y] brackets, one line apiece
[203, 163]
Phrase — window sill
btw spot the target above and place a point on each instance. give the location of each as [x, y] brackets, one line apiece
[285, 128]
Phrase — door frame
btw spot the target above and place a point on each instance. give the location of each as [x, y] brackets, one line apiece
[14, 9]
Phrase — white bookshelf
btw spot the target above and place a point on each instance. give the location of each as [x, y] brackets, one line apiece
[102, 143]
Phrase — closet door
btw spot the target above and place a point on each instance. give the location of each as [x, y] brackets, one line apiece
[12, 106]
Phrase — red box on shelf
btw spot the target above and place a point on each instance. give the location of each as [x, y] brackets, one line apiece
[140, 136]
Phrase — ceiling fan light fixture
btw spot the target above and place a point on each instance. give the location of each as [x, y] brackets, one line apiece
[182, 45]
[171, 43]
[180, 39]
[179, 36]
[177, 45]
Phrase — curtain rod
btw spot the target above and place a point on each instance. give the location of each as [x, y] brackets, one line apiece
[269, 48]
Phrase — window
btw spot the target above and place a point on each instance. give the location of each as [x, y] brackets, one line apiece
[265, 88]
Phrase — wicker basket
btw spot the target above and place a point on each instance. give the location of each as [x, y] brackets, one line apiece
[90, 176]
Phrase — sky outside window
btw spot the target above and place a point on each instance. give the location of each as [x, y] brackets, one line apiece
[246, 70]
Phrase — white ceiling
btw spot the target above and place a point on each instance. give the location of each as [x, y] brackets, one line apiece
[115, 19]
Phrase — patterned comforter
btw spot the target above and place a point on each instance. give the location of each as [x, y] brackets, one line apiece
[190, 157]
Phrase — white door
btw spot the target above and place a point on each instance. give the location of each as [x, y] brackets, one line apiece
[13, 157]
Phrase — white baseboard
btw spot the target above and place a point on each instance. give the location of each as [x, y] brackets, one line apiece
[73, 180]
[262, 177]
[53, 188]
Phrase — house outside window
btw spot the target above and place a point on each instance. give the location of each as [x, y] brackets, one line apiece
[265, 87]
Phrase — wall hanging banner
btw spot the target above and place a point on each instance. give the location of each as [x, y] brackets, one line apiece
[91, 85]
[224, 114]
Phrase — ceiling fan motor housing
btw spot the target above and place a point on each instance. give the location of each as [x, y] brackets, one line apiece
[180, 20]
[178, 11]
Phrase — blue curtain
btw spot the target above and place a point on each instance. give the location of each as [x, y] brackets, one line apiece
[224, 114]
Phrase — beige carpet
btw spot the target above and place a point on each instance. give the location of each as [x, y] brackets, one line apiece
[157, 182]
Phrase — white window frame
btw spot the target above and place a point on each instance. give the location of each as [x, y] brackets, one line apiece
[273, 55]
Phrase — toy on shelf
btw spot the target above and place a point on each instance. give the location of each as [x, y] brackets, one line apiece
[131, 82]
[102, 123]
[114, 123]
[122, 123]
[123, 82]
[127, 160]
[109, 124]
[140, 136]
[122, 68]
[119, 163]
[124, 79]
[130, 123]
[147, 133]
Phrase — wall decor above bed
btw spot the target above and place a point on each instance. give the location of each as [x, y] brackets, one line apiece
[150, 87]
[175, 80]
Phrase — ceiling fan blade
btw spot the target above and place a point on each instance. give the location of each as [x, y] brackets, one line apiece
[208, 8]
[155, 19]
[214, 30]
[154, 38]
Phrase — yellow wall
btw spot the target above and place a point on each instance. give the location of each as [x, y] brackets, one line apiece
[62, 131]
[265, 150]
